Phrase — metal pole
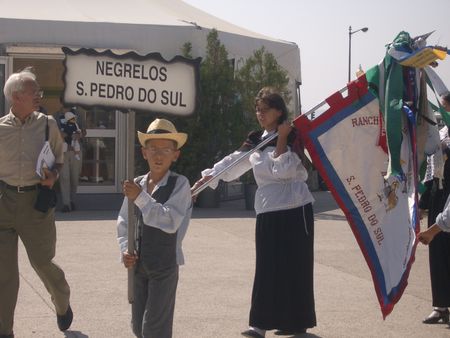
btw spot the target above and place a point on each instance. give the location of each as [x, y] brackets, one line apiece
[349, 51]
[350, 33]
[248, 153]
[131, 218]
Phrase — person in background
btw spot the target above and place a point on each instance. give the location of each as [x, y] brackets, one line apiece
[70, 173]
[282, 297]
[163, 205]
[69, 129]
[439, 249]
[22, 136]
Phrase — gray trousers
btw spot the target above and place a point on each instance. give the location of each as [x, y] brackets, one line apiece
[154, 302]
[69, 177]
[37, 231]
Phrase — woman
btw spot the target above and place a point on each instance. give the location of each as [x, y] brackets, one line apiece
[439, 250]
[282, 296]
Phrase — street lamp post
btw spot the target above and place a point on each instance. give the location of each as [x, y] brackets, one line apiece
[350, 33]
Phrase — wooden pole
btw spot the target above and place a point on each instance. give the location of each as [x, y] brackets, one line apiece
[131, 217]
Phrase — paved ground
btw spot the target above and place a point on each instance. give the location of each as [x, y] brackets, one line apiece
[215, 284]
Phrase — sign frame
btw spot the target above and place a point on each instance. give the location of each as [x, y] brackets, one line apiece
[132, 56]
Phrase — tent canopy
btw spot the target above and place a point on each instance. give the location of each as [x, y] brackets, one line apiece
[141, 25]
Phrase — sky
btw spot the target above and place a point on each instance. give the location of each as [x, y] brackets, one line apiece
[320, 28]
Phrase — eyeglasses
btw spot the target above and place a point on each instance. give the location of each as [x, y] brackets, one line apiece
[35, 93]
[160, 151]
[260, 110]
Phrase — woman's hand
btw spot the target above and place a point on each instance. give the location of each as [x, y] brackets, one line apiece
[425, 237]
[284, 129]
[199, 183]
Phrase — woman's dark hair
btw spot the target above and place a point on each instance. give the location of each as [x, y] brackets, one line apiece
[270, 97]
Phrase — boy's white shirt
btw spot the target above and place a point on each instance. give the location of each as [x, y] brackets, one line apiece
[169, 217]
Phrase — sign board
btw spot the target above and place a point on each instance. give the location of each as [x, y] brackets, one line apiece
[131, 81]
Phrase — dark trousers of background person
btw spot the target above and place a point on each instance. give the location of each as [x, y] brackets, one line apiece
[439, 250]
[283, 293]
[37, 230]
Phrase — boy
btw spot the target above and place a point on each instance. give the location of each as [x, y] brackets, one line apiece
[163, 209]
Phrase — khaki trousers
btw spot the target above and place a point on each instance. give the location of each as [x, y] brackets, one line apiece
[37, 232]
[69, 176]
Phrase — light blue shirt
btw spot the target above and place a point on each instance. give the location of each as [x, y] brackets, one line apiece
[170, 217]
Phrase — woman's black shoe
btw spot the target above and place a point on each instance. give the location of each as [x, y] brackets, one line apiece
[289, 333]
[251, 333]
[433, 319]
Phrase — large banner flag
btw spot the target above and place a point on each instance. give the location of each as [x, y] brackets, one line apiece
[348, 147]
[368, 147]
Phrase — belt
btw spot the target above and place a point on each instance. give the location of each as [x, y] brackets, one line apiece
[21, 189]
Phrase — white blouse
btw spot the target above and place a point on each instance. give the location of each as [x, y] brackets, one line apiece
[443, 219]
[281, 180]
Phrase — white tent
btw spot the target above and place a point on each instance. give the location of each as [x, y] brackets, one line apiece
[141, 25]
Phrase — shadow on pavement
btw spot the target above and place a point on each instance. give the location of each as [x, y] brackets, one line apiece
[329, 217]
[324, 201]
[87, 215]
[228, 209]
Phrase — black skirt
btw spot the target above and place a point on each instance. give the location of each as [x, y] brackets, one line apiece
[439, 252]
[283, 293]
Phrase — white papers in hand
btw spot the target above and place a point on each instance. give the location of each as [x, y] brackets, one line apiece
[46, 159]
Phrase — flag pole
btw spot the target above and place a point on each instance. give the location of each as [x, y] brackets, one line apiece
[245, 155]
[131, 219]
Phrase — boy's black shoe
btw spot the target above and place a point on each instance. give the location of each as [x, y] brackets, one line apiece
[65, 320]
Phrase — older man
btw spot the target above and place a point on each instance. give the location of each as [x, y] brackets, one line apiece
[22, 136]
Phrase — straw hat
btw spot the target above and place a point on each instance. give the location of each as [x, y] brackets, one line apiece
[162, 129]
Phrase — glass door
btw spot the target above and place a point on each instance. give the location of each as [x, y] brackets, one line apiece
[99, 145]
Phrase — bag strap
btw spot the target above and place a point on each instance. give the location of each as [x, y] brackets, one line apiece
[46, 130]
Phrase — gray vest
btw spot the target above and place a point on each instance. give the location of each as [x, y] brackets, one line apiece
[157, 249]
